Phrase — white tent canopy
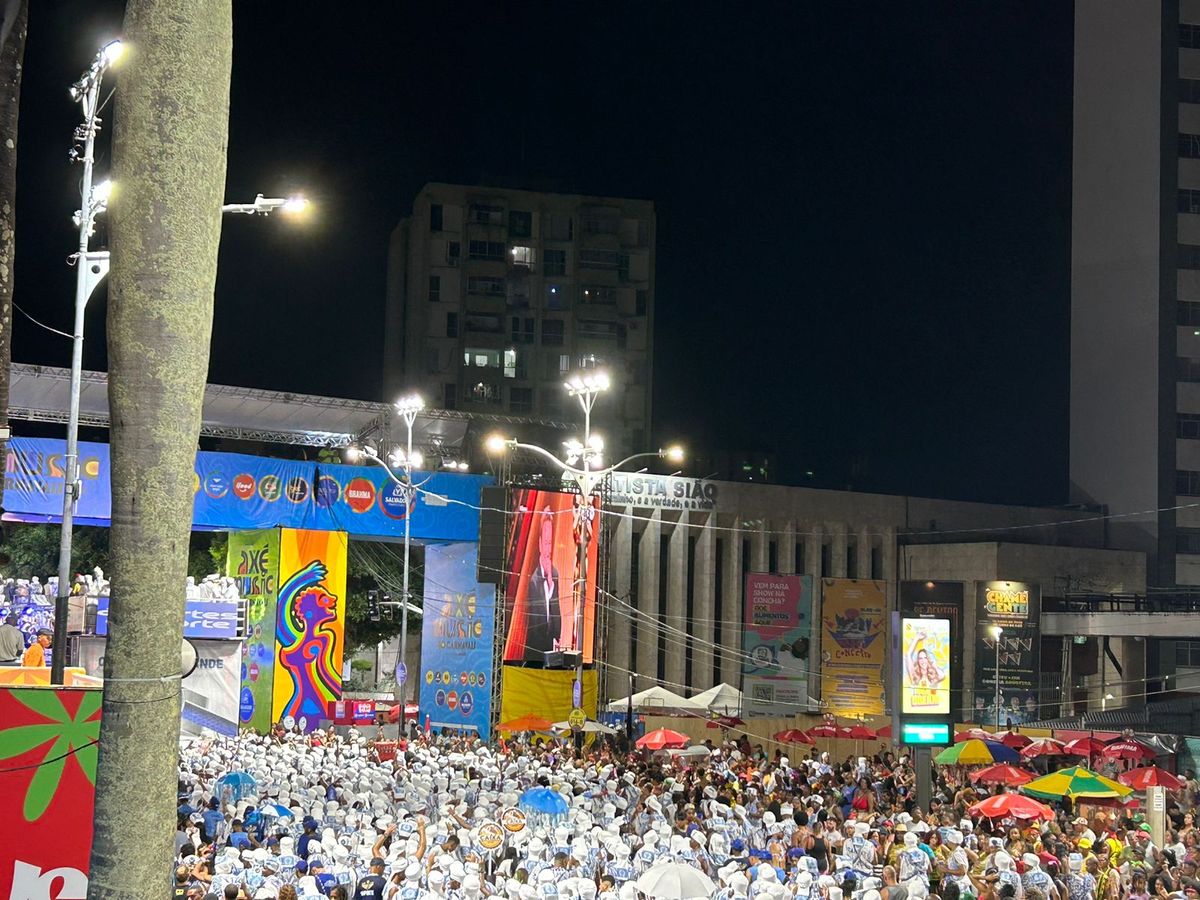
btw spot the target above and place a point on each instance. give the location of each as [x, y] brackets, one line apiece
[722, 699]
[655, 699]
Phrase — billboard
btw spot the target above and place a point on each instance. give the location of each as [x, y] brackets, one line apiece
[253, 561]
[1016, 607]
[940, 600]
[310, 622]
[211, 620]
[210, 693]
[542, 577]
[853, 646]
[238, 491]
[546, 693]
[456, 640]
[925, 667]
[778, 629]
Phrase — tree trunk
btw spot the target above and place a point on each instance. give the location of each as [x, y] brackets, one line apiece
[12, 54]
[169, 141]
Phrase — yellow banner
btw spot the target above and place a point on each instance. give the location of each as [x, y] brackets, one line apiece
[310, 624]
[545, 693]
[853, 646]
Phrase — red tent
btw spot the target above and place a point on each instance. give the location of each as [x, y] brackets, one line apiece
[1018, 806]
[1084, 746]
[1150, 776]
[1001, 774]
[1043, 747]
[793, 736]
[1015, 739]
[1128, 749]
[664, 739]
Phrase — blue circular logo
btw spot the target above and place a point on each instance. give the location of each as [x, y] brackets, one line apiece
[328, 492]
[440, 698]
[392, 501]
[246, 708]
[466, 703]
[216, 484]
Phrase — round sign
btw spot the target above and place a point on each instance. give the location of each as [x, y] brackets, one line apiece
[289, 722]
[513, 819]
[401, 673]
[189, 658]
[577, 693]
[303, 723]
[491, 836]
[576, 718]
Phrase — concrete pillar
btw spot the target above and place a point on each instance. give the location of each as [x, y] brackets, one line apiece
[837, 561]
[648, 604]
[676, 618]
[759, 561]
[787, 548]
[731, 606]
[813, 539]
[620, 631]
[703, 596]
[865, 544]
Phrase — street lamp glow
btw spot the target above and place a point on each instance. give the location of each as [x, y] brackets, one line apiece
[353, 453]
[996, 631]
[673, 454]
[112, 51]
[411, 403]
[496, 443]
[294, 204]
[101, 193]
[595, 442]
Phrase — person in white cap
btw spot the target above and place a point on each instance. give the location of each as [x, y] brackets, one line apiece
[913, 871]
[957, 864]
[858, 853]
[1034, 877]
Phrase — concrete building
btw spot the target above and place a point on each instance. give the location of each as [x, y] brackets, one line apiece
[495, 296]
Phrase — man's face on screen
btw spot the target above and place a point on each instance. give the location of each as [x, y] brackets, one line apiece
[546, 540]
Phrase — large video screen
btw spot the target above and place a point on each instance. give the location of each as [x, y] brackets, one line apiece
[543, 579]
[925, 679]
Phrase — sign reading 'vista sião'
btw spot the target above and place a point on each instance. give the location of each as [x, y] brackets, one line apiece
[662, 492]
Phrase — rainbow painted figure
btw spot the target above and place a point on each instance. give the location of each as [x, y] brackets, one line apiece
[307, 643]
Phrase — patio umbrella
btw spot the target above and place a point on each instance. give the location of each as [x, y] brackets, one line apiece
[976, 753]
[859, 733]
[239, 784]
[884, 732]
[276, 811]
[1128, 749]
[662, 739]
[1086, 746]
[525, 723]
[1004, 805]
[675, 881]
[793, 736]
[1075, 782]
[1043, 747]
[1001, 774]
[823, 731]
[590, 726]
[545, 801]
[1015, 739]
[1150, 776]
[973, 734]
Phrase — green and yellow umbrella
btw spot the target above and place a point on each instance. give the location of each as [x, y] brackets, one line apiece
[976, 753]
[1076, 781]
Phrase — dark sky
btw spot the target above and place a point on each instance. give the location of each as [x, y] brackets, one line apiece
[863, 209]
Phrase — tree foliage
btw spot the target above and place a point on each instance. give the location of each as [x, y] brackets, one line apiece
[31, 550]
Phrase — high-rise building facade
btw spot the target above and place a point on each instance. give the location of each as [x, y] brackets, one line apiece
[1135, 277]
[496, 296]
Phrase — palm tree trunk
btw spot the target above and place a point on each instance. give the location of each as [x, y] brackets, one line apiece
[169, 141]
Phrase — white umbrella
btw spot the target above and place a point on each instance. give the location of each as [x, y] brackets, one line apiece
[675, 881]
[694, 750]
[589, 727]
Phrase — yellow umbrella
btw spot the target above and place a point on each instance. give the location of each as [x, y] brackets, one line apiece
[975, 753]
[1076, 781]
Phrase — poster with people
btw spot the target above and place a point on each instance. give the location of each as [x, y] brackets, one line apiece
[925, 666]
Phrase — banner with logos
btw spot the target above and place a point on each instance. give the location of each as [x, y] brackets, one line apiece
[1015, 607]
[252, 560]
[940, 600]
[777, 633]
[213, 620]
[310, 621]
[456, 640]
[238, 491]
[853, 646]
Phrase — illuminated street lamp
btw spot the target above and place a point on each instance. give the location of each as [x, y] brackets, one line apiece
[264, 206]
[997, 631]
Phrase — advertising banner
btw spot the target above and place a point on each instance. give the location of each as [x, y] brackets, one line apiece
[1015, 607]
[212, 620]
[925, 667]
[48, 743]
[310, 624]
[238, 491]
[456, 640]
[853, 646]
[940, 600]
[544, 693]
[543, 577]
[210, 693]
[778, 631]
[253, 561]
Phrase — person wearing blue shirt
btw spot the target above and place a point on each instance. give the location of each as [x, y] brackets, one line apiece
[325, 881]
[213, 818]
[306, 839]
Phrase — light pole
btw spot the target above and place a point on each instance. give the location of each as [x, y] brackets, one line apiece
[264, 206]
[587, 477]
[997, 631]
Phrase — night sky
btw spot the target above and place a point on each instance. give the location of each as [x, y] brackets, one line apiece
[863, 210]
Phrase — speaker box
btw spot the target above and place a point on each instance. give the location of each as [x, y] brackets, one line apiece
[553, 659]
[489, 567]
[572, 659]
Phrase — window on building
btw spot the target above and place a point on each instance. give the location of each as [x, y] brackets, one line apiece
[623, 266]
[520, 224]
[1189, 199]
[433, 361]
[1187, 654]
[484, 214]
[1187, 483]
[510, 363]
[554, 262]
[435, 288]
[590, 361]
[622, 335]
[453, 253]
[561, 228]
[1187, 540]
[522, 329]
[435, 217]
[520, 400]
[599, 259]
[486, 250]
[1187, 368]
[603, 331]
[1189, 90]
[641, 303]
[1187, 426]
[452, 325]
[484, 324]
[1188, 256]
[556, 296]
[552, 332]
[449, 395]
[482, 392]
[851, 559]
[523, 256]
[481, 358]
[599, 295]
[1189, 36]
[1187, 312]
[486, 285]
[1189, 145]
[601, 225]
[564, 363]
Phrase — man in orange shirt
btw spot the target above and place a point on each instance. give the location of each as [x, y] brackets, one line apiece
[35, 656]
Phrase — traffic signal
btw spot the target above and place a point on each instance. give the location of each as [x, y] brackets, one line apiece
[387, 602]
[373, 605]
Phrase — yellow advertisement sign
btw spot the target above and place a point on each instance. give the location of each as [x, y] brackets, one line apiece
[853, 646]
[925, 678]
[545, 693]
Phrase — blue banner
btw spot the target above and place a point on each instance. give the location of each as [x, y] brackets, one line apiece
[210, 620]
[456, 640]
[236, 491]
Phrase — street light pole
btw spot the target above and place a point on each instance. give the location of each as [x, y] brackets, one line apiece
[997, 631]
[93, 201]
[408, 408]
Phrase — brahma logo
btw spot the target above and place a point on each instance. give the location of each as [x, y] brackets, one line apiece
[360, 495]
[31, 883]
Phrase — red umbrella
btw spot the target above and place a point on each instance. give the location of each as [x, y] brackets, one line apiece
[1018, 806]
[1001, 774]
[823, 731]
[1015, 739]
[1084, 746]
[793, 736]
[664, 739]
[1127, 749]
[725, 722]
[1043, 747]
[974, 734]
[1150, 776]
[858, 733]
[884, 732]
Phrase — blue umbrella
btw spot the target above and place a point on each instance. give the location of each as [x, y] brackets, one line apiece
[239, 784]
[545, 801]
[276, 811]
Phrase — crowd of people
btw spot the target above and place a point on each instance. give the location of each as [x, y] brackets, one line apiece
[325, 816]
